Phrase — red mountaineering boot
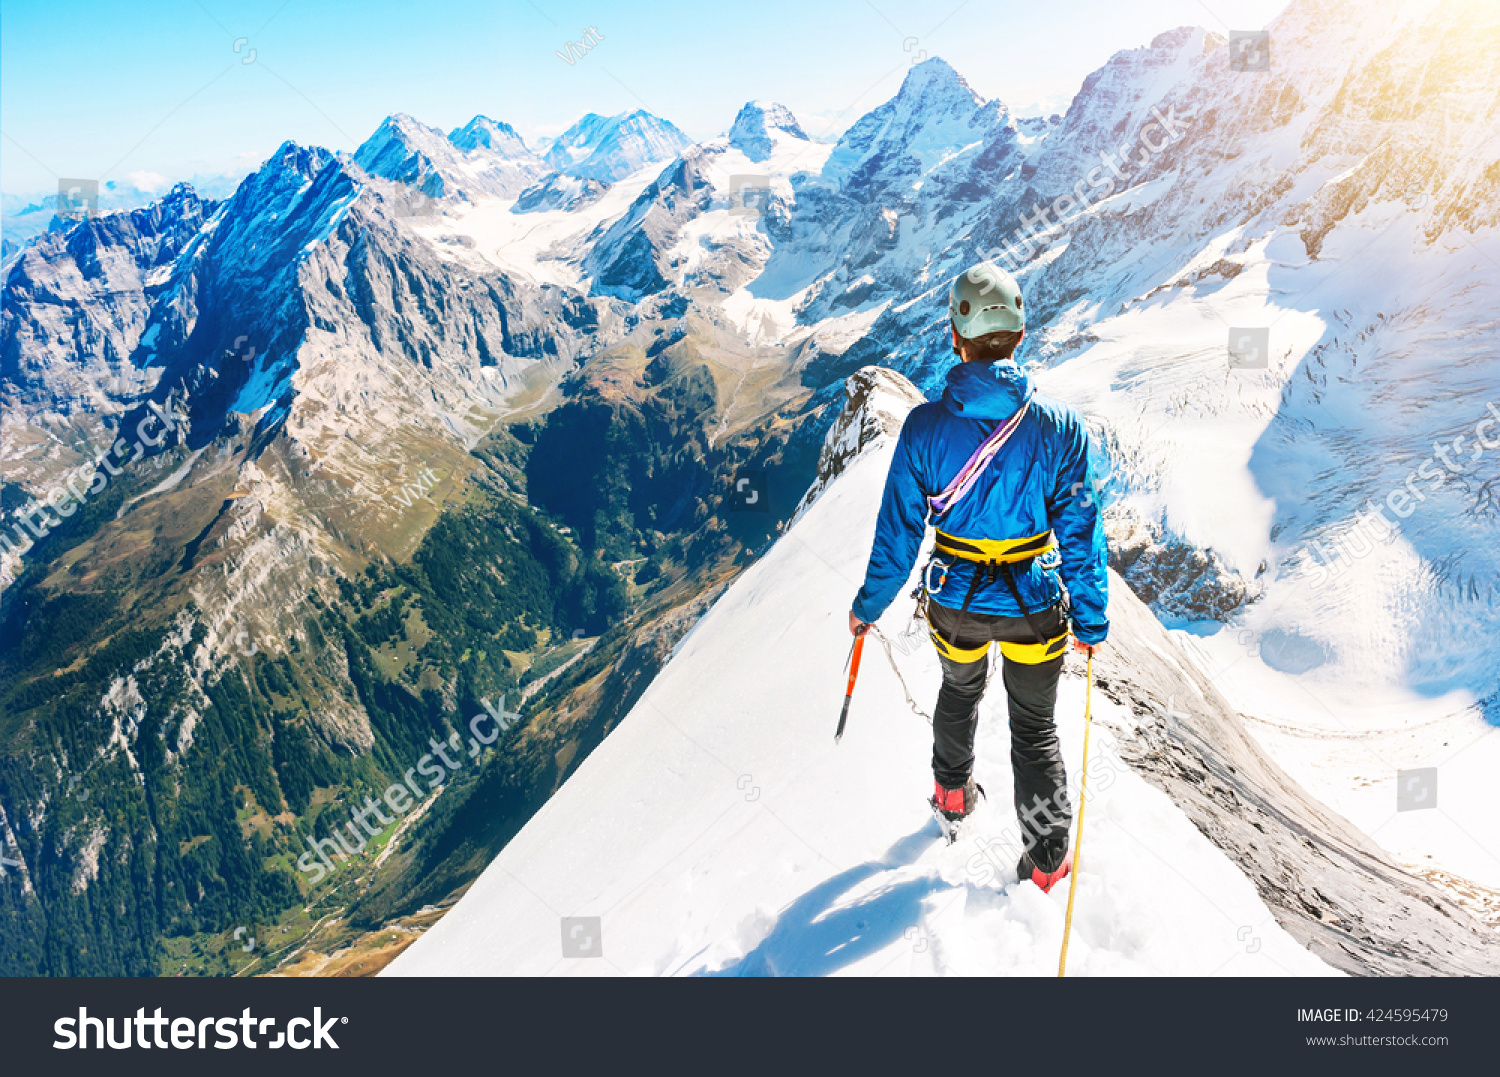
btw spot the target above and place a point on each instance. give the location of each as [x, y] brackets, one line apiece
[953, 806]
[1046, 880]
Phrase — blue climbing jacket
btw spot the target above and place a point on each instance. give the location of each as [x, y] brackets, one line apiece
[1042, 480]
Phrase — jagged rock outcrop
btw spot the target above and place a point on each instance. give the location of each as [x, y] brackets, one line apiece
[75, 346]
[1175, 578]
[876, 402]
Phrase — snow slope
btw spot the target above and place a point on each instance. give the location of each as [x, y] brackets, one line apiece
[719, 830]
[1348, 743]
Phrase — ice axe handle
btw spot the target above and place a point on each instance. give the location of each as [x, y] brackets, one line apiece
[854, 655]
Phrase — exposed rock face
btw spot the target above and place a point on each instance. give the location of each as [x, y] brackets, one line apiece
[175, 300]
[889, 147]
[876, 402]
[1114, 103]
[490, 134]
[1173, 577]
[559, 191]
[74, 345]
[632, 259]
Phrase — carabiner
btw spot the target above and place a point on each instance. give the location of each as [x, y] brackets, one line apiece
[932, 563]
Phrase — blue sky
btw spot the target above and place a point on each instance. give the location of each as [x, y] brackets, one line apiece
[154, 89]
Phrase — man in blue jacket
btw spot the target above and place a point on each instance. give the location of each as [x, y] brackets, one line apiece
[1006, 526]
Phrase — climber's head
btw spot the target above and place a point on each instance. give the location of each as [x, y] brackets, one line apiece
[985, 307]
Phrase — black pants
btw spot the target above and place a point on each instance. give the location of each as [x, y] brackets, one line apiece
[1041, 788]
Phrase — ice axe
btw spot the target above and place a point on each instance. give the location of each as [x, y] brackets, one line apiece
[852, 663]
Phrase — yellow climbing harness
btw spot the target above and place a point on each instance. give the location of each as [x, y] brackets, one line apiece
[1030, 654]
[997, 550]
[1002, 554]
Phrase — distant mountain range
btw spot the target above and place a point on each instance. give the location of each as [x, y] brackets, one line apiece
[24, 217]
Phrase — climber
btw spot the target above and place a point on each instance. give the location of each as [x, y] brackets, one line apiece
[1007, 479]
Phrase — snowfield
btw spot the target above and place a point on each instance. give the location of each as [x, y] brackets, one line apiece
[719, 830]
[1347, 744]
[544, 246]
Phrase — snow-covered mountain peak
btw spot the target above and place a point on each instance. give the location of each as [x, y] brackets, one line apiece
[490, 134]
[759, 125]
[401, 130]
[577, 142]
[934, 118]
[405, 150]
[608, 148]
[934, 84]
[482, 158]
